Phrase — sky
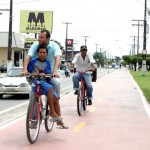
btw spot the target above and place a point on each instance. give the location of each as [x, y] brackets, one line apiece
[108, 23]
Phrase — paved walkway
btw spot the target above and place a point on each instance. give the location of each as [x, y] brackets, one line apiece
[117, 120]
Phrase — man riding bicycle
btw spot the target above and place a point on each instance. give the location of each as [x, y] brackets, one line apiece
[84, 62]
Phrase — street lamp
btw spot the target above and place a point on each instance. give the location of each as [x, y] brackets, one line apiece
[85, 38]
[66, 39]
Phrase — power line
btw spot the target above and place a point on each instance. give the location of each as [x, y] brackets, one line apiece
[21, 2]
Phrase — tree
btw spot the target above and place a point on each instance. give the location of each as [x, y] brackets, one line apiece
[61, 47]
[99, 58]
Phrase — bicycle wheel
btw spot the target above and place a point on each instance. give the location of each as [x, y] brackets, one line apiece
[32, 123]
[48, 124]
[79, 101]
[85, 102]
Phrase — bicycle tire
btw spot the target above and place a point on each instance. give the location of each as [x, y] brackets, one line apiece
[32, 131]
[79, 102]
[48, 124]
[85, 103]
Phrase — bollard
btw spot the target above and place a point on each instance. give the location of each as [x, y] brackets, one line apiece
[108, 71]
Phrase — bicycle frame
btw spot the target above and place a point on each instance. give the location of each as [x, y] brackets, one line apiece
[39, 100]
[36, 113]
[83, 87]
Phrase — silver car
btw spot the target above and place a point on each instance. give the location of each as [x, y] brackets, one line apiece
[12, 83]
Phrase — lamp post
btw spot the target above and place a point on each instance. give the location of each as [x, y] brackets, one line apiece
[66, 39]
[85, 38]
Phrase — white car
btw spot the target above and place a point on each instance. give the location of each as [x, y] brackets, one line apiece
[116, 66]
[12, 83]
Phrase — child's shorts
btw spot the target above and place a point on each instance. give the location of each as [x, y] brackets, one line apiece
[45, 87]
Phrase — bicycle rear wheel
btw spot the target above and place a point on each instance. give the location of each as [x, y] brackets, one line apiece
[48, 124]
[32, 123]
[79, 101]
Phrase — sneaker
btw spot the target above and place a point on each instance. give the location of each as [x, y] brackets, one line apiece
[33, 124]
[89, 102]
[76, 92]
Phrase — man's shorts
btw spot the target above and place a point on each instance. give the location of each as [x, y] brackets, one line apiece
[45, 87]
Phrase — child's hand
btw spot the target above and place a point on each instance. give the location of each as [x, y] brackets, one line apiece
[71, 70]
[42, 74]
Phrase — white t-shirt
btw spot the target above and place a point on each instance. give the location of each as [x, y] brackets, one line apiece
[83, 65]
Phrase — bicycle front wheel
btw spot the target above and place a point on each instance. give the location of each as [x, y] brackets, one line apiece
[48, 124]
[79, 101]
[32, 123]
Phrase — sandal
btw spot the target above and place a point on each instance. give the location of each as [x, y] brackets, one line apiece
[56, 119]
[62, 127]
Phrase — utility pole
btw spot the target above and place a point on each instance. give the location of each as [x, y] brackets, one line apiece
[66, 39]
[133, 52]
[85, 38]
[144, 41]
[137, 64]
[9, 63]
[9, 59]
[96, 46]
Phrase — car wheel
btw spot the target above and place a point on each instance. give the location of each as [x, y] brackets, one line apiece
[1, 71]
[1, 96]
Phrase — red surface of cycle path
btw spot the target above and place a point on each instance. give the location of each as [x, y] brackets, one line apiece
[117, 120]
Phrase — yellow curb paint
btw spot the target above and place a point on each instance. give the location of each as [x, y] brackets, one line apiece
[79, 126]
[92, 109]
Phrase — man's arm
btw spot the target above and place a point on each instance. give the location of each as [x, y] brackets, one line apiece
[56, 66]
[25, 66]
[92, 67]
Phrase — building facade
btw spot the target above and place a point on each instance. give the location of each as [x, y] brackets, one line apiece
[18, 52]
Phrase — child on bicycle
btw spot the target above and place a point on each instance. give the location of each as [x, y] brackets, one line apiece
[40, 66]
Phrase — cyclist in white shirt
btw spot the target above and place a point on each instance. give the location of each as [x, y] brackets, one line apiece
[84, 62]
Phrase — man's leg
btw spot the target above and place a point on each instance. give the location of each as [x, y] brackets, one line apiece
[76, 78]
[55, 82]
[56, 105]
[47, 90]
[89, 87]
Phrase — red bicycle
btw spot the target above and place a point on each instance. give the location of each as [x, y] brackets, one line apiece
[37, 112]
[82, 96]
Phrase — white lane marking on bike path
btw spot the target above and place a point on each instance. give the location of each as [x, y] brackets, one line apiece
[17, 118]
[12, 121]
[6, 110]
[143, 99]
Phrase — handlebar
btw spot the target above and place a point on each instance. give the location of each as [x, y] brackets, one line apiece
[30, 75]
[89, 72]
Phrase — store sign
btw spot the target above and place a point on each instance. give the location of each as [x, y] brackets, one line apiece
[69, 44]
[35, 21]
[28, 42]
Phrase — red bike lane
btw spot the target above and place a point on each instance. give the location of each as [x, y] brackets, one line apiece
[117, 120]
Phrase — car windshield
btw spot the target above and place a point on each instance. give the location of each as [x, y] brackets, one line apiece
[14, 72]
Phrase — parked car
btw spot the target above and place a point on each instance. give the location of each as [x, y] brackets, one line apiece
[116, 66]
[62, 66]
[3, 68]
[12, 83]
